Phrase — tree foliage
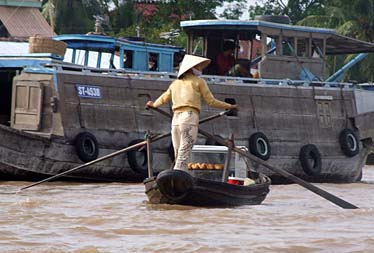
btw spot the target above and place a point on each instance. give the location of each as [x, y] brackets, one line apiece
[350, 18]
[71, 17]
[295, 9]
[125, 19]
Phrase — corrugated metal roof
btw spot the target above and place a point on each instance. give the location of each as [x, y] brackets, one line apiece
[24, 22]
[338, 44]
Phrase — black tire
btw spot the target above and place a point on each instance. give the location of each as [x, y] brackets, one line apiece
[259, 146]
[274, 19]
[174, 185]
[86, 146]
[349, 142]
[310, 160]
[138, 159]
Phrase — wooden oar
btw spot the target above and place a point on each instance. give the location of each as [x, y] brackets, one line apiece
[137, 145]
[322, 193]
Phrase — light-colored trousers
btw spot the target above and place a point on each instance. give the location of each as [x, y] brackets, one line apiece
[184, 128]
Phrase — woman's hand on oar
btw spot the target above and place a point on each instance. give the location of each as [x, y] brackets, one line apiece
[149, 104]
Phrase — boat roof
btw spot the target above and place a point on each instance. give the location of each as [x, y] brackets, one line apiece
[103, 43]
[335, 43]
[92, 42]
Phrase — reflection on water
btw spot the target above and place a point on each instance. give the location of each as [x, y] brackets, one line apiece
[76, 217]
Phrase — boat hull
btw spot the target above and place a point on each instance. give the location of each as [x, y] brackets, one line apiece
[26, 156]
[290, 117]
[179, 187]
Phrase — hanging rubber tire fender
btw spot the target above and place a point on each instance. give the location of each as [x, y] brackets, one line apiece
[349, 142]
[138, 159]
[310, 160]
[86, 146]
[259, 146]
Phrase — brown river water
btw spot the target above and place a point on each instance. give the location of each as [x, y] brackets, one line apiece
[114, 217]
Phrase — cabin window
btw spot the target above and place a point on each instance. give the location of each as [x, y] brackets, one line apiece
[153, 61]
[288, 46]
[92, 59]
[69, 55]
[77, 57]
[271, 44]
[244, 51]
[303, 47]
[128, 59]
[178, 57]
[109, 61]
[317, 48]
[198, 46]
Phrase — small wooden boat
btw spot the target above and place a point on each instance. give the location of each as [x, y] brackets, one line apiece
[179, 187]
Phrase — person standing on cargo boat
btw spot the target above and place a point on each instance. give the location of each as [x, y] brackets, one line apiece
[186, 93]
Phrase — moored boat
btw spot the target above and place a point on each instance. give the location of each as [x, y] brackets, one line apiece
[58, 112]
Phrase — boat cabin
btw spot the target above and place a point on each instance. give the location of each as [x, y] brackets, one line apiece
[101, 51]
[87, 51]
[285, 51]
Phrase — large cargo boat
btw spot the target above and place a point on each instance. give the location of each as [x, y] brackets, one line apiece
[58, 113]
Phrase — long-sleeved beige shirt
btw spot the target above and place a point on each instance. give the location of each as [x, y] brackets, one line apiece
[186, 94]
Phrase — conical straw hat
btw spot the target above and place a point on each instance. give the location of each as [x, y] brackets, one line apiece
[190, 61]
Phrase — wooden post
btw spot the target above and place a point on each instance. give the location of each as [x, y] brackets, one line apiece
[149, 155]
[226, 169]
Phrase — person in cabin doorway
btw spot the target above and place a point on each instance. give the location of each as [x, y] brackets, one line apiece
[226, 64]
[186, 93]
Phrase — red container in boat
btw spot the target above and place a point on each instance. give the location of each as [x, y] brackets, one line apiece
[235, 180]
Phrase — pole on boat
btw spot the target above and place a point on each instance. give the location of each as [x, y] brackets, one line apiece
[322, 193]
[225, 173]
[149, 155]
